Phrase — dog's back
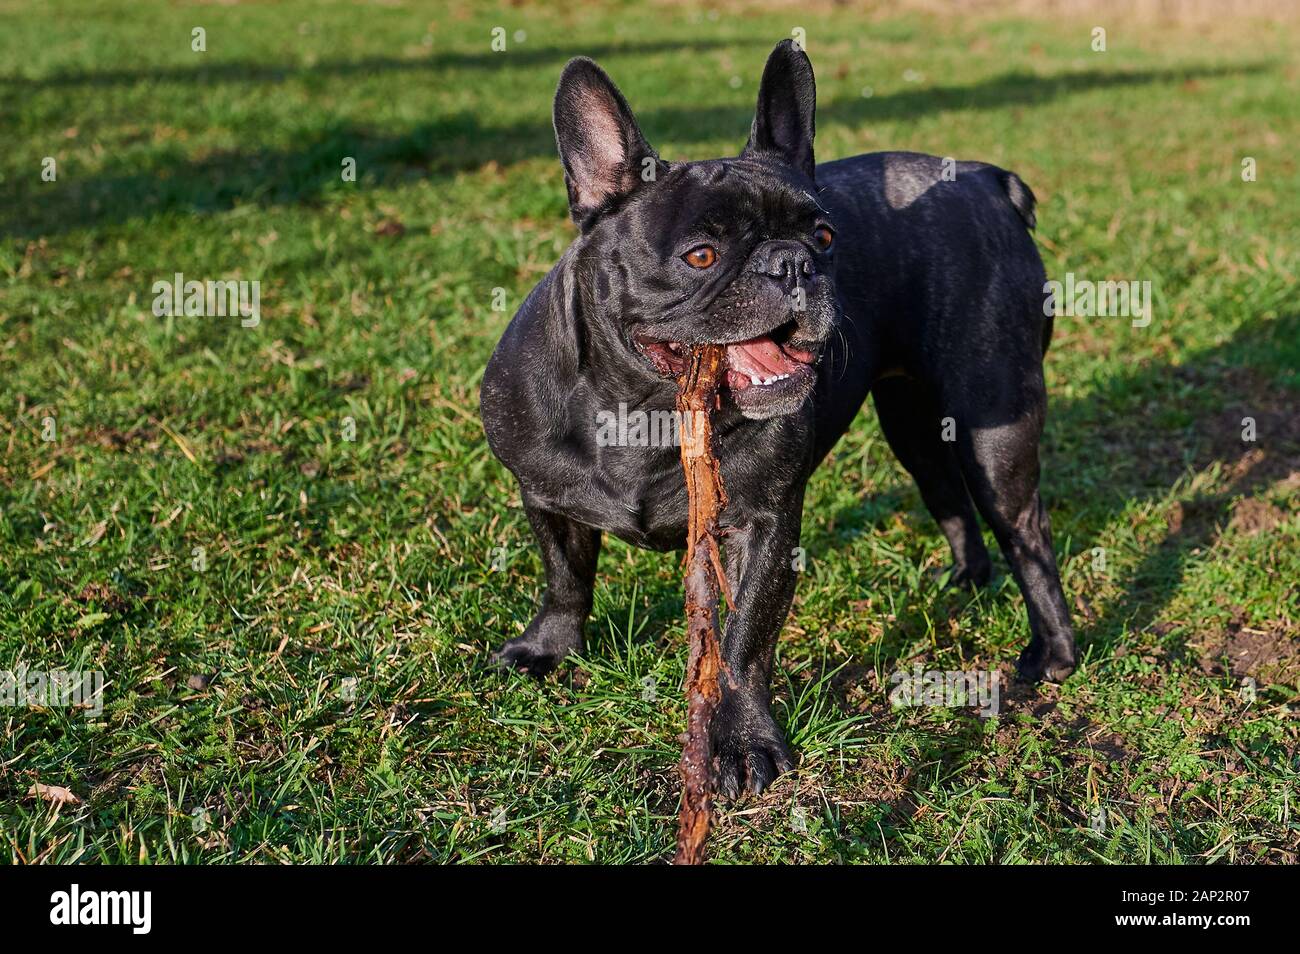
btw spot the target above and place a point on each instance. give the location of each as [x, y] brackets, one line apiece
[934, 260]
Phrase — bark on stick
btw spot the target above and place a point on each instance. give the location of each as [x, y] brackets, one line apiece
[697, 396]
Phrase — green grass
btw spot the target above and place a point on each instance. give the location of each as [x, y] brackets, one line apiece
[351, 594]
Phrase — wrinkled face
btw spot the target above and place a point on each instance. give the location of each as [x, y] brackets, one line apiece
[730, 251]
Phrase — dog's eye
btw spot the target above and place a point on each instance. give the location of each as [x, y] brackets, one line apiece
[823, 237]
[702, 256]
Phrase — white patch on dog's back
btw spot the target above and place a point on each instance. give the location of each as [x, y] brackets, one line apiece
[907, 178]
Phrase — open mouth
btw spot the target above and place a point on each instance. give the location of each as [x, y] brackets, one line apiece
[767, 361]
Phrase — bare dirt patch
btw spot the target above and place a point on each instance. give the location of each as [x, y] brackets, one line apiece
[1252, 515]
[1270, 655]
[105, 597]
[1257, 434]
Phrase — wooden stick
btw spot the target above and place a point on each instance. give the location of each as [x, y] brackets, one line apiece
[697, 395]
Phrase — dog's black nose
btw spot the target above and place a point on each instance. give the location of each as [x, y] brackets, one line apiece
[789, 263]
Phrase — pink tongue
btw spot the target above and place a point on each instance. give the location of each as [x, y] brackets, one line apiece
[761, 358]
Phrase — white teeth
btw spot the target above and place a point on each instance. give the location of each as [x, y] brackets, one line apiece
[753, 379]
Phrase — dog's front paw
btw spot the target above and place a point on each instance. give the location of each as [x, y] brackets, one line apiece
[1044, 660]
[749, 750]
[542, 647]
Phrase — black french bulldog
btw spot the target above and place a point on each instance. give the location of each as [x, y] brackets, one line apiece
[901, 274]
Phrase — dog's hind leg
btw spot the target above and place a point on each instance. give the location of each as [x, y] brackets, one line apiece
[909, 418]
[1000, 463]
[569, 553]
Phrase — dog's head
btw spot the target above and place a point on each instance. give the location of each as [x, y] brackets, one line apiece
[727, 251]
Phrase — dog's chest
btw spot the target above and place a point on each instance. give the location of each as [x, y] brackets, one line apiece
[637, 494]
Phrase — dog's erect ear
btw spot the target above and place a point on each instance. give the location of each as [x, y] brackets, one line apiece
[601, 146]
[786, 119]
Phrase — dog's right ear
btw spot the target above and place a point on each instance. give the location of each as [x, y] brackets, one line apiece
[604, 154]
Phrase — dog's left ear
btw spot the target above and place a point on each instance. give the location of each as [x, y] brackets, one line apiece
[786, 119]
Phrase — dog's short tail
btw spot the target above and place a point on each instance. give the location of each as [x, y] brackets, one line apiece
[1021, 196]
[1023, 201]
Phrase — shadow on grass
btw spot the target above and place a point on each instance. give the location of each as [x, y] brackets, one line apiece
[1220, 388]
[1115, 435]
[259, 71]
[468, 140]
